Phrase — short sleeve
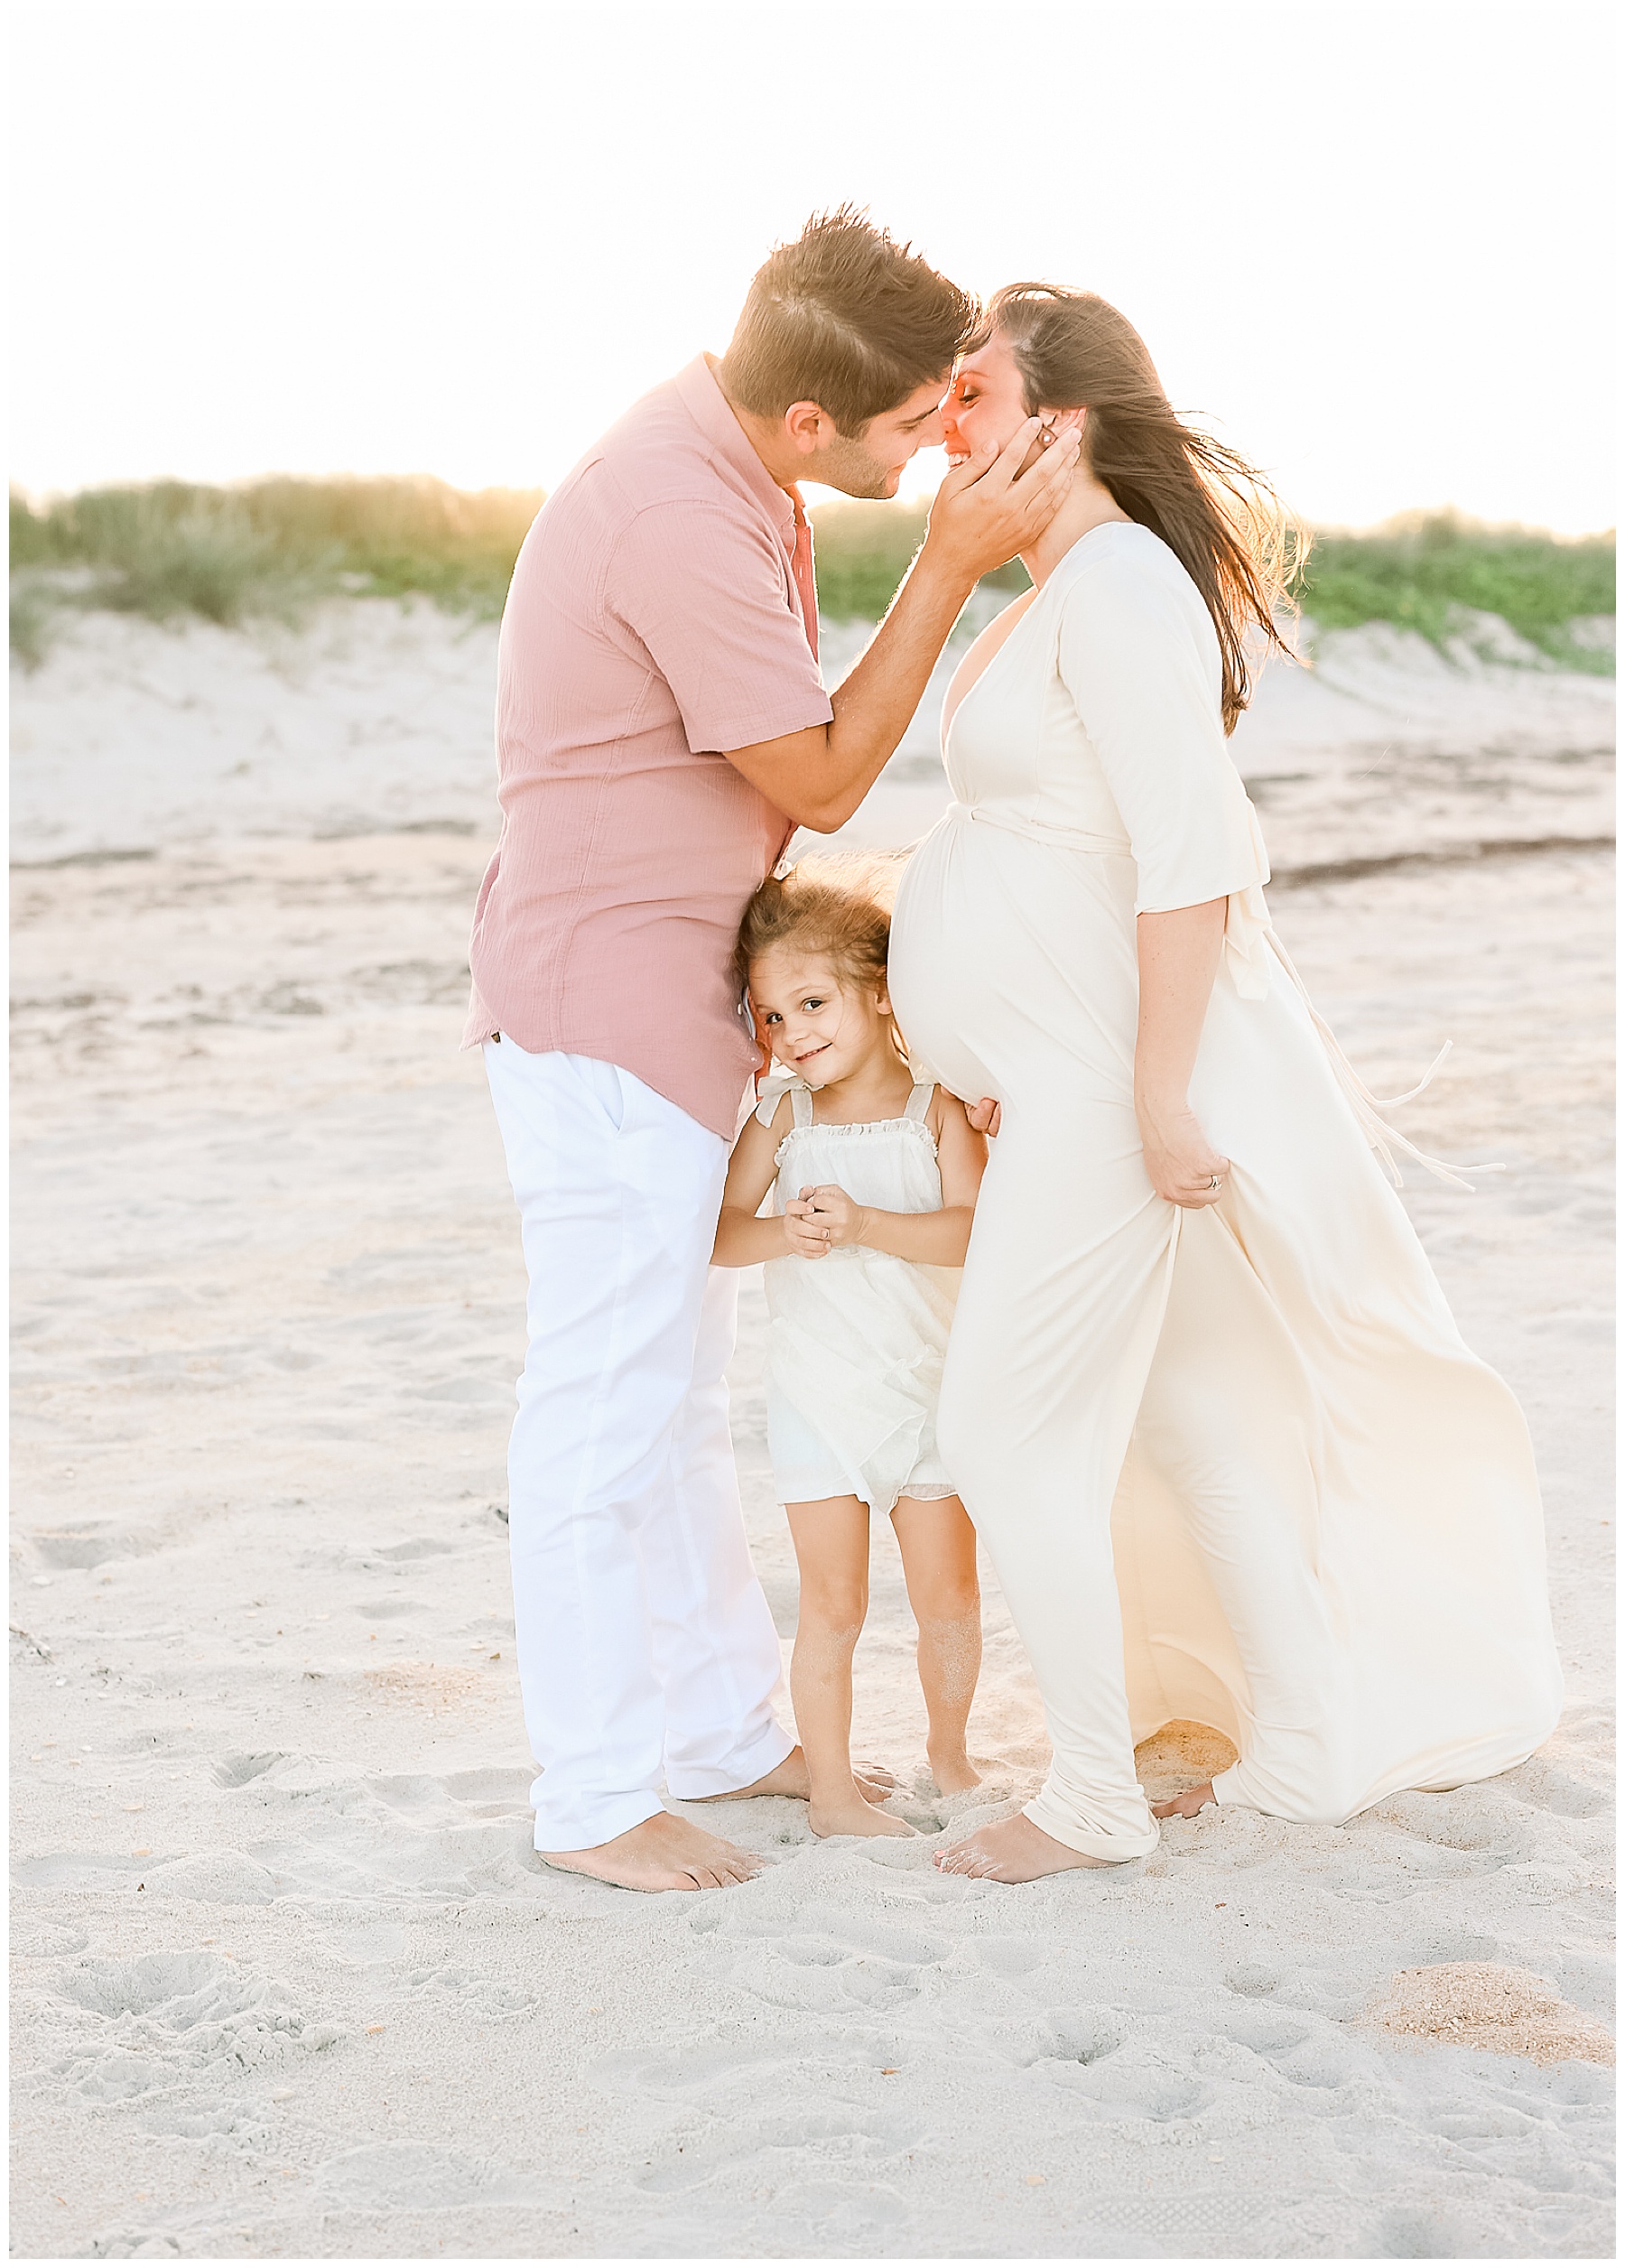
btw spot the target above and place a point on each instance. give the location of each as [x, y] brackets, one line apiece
[700, 585]
[1144, 682]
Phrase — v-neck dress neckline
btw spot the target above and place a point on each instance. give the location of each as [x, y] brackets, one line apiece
[1041, 594]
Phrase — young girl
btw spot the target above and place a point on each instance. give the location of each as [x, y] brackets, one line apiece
[873, 1176]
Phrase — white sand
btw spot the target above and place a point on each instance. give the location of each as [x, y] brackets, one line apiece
[289, 1978]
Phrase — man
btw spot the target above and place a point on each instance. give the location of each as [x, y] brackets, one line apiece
[662, 728]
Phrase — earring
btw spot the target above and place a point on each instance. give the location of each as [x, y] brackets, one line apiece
[1047, 434]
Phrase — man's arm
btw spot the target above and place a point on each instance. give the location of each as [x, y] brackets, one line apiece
[984, 512]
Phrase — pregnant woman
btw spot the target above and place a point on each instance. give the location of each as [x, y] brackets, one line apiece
[1204, 1399]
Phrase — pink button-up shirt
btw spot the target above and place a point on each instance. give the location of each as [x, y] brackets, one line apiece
[662, 613]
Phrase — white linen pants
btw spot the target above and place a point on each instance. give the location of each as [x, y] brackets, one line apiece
[646, 1650]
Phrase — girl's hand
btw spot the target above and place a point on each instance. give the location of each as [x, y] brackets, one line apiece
[808, 1238]
[1184, 1166]
[833, 1211]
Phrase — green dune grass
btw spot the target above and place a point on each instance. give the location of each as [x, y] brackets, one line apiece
[268, 548]
[1416, 572]
[1420, 570]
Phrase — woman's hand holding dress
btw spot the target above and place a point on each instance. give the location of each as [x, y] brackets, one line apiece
[1178, 958]
[1184, 1166]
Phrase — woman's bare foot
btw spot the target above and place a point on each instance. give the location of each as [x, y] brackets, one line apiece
[853, 1816]
[1185, 1806]
[952, 1771]
[791, 1778]
[663, 1853]
[1012, 1851]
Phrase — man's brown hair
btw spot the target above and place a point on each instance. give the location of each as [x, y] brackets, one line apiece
[845, 317]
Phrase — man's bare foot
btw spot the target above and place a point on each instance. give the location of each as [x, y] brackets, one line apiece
[663, 1853]
[1185, 1806]
[791, 1778]
[1012, 1851]
[853, 1816]
[953, 1772]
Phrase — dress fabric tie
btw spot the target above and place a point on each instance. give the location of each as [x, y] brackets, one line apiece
[1015, 822]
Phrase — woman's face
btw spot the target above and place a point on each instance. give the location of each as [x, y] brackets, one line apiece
[985, 403]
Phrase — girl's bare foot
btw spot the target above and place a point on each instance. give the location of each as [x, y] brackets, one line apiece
[952, 1771]
[791, 1778]
[853, 1816]
[662, 1853]
[1185, 1806]
[1012, 1851]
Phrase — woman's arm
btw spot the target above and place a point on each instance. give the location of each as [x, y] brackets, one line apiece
[933, 1240]
[1178, 961]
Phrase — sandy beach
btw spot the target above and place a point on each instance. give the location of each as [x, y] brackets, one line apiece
[290, 1979]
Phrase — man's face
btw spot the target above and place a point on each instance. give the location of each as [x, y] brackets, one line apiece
[870, 463]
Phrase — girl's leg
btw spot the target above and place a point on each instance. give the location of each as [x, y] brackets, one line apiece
[939, 1565]
[832, 1540]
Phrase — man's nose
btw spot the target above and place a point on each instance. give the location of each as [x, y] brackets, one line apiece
[930, 435]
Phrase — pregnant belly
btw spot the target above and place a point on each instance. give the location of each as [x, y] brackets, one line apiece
[1010, 960]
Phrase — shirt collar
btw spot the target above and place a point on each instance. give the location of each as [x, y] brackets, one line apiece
[709, 407]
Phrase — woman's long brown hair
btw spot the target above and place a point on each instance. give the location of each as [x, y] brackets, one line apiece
[1215, 512]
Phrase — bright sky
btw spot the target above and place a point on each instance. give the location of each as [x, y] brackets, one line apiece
[1372, 242]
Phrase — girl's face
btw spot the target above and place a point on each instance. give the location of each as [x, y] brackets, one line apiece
[818, 1023]
[986, 402]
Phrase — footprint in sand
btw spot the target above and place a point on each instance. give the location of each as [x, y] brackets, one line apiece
[237, 1768]
[191, 2020]
[424, 2176]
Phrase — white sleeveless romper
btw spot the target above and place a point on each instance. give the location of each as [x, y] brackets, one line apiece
[856, 1340]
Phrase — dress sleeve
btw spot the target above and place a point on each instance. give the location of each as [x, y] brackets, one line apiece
[1145, 686]
[700, 586]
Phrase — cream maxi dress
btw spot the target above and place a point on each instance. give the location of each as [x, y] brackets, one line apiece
[1235, 1465]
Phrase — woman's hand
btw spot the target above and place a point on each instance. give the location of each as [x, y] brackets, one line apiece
[1182, 1163]
[833, 1212]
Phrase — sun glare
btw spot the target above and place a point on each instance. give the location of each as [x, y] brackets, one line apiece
[436, 253]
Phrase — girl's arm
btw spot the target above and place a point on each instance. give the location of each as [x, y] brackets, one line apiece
[742, 1238]
[933, 1240]
[1178, 961]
